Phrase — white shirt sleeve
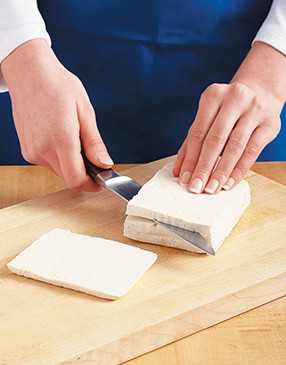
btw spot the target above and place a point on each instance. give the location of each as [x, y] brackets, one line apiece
[273, 30]
[20, 21]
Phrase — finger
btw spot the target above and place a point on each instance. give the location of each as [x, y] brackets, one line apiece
[48, 158]
[49, 167]
[91, 140]
[37, 158]
[180, 159]
[209, 106]
[73, 169]
[232, 152]
[45, 164]
[214, 142]
[54, 166]
[256, 143]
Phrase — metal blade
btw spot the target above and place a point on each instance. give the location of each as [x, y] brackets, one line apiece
[191, 237]
[123, 186]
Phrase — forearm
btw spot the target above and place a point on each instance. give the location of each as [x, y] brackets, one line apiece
[264, 71]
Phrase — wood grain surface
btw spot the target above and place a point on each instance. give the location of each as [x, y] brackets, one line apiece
[254, 337]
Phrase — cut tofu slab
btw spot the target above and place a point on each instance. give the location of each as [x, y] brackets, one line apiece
[93, 265]
[164, 199]
[146, 230]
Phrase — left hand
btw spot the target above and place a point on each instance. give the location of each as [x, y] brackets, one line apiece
[241, 118]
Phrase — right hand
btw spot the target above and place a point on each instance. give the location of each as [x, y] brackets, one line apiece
[53, 116]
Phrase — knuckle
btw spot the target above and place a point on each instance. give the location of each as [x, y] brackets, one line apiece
[197, 134]
[74, 185]
[215, 138]
[94, 142]
[236, 143]
[239, 91]
[252, 150]
[275, 131]
[62, 136]
[274, 125]
[222, 175]
[256, 103]
[68, 146]
[239, 172]
[214, 90]
[181, 152]
[202, 170]
[180, 157]
[189, 164]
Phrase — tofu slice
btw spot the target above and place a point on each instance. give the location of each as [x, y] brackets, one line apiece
[92, 265]
[145, 230]
[163, 198]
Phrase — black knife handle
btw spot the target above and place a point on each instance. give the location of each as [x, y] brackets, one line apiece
[91, 169]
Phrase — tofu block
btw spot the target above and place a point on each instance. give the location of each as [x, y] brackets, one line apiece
[164, 199]
[92, 265]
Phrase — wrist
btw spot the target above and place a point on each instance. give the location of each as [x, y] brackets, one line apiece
[27, 62]
[264, 72]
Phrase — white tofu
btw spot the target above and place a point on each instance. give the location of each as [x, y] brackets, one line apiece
[93, 265]
[145, 230]
[164, 199]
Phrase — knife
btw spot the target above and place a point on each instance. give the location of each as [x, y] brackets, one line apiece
[126, 188]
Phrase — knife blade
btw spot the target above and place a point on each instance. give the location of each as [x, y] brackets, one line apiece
[126, 188]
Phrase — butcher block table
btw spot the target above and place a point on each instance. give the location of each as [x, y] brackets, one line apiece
[256, 336]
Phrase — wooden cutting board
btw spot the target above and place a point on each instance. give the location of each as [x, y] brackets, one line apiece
[181, 294]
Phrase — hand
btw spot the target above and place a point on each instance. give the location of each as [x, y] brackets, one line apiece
[53, 115]
[242, 118]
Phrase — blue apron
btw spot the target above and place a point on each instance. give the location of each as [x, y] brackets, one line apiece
[145, 64]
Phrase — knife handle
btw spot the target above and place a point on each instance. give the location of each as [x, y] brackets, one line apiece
[93, 170]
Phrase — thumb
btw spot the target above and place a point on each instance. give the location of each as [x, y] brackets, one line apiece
[92, 142]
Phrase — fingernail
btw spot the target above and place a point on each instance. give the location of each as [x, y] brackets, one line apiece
[229, 184]
[212, 186]
[104, 158]
[196, 186]
[185, 178]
